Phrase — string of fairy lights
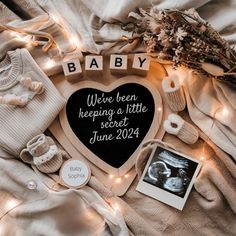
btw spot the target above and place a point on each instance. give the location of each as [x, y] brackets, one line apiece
[50, 63]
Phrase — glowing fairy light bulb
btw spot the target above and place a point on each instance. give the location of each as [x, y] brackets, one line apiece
[225, 112]
[116, 206]
[19, 36]
[49, 64]
[159, 109]
[75, 40]
[126, 176]
[55, 17]
[202, 158]
[118, 180]
[11, 204]
[111, 176]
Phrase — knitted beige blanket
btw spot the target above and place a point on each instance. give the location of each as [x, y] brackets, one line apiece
[211, 207]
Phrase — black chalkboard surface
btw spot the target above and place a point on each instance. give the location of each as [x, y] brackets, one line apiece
[111, 124]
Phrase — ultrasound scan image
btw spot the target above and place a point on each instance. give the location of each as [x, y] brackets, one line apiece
[170, 172]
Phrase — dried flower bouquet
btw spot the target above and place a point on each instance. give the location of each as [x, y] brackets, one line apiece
[186, 39]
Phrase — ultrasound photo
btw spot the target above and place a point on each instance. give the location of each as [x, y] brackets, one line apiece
[170, 172]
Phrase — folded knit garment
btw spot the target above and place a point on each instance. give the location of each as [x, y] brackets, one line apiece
[210, 208]
[212, 110]
[7, 15]
[29, 207]
[19, 125]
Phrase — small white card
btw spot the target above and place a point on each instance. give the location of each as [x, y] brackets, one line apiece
[169, 176]
[75, 173]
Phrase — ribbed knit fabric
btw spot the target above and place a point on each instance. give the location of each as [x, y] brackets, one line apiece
[60, 35]
[182, 129]
[26, 8]
[174, 93]
[52, 165]
[42, 152]
[7, 15]
[10, 70]
[188, 133]
[19, 125]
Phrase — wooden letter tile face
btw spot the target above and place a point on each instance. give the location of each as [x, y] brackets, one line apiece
[141, 64]
[118, 64]
[93, 64]
[72, 68]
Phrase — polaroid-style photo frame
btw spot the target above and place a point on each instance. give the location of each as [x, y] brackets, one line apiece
[169, 176]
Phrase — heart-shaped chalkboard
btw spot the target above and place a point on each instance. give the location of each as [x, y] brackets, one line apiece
[110, 122]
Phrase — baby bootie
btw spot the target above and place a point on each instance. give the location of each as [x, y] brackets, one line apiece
[183, 130]
[174, 93]
[42, 152]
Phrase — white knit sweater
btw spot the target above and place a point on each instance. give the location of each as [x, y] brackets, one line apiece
[19, 125]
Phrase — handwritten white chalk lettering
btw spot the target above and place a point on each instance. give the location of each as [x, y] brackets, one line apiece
[113, 121]
[112, 124]
[100, 138]
[94, 99]
[97, 113]
[127, 98]
[135, 108]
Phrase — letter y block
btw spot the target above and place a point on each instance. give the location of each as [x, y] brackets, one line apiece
[141, 63]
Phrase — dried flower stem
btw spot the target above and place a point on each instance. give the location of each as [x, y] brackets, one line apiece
[186, 39]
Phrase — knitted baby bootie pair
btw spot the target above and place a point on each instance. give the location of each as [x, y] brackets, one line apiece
[182, 129]
[174, 93]
[42, 152]
[21, 101]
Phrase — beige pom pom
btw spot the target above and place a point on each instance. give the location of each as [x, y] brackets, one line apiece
[12, 99]
[183, 130]
[174, 93]
[32, 85]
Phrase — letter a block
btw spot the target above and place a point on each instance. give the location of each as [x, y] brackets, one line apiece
[118, 64]
[93, 65]
[72, 68]
[141, 63]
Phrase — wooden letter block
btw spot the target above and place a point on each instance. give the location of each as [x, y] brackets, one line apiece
[72, 68]
[93, 65]
[141, 64]
[118, 64]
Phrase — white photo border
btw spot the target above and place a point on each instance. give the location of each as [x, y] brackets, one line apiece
[160, 194]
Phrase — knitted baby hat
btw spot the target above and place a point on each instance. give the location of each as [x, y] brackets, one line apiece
[182, 129]
[42, 152]
[19, 125]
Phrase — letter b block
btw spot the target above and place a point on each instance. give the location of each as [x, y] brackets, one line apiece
[118, 64]
[141, 63]
[72, 68]
[93, 65]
